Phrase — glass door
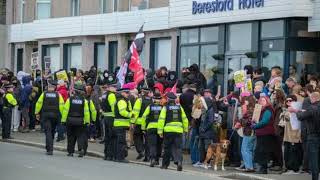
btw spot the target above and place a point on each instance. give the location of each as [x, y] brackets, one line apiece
[235, 63]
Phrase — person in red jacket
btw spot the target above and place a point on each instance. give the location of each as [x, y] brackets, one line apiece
[62, 90]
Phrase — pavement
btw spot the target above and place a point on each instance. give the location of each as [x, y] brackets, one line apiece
[95, 150]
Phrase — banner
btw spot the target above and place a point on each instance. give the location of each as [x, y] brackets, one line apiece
[257, 113]
[47, 62]
[62, 75]
[34, 61]
[247, 89]
[239, 78]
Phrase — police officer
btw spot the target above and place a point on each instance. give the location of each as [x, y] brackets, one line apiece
[76, 115]
[138, 109]
[121, 124]
[50, 104]
[107, 105]
[150, 125]
[172, 124]
[9, 101]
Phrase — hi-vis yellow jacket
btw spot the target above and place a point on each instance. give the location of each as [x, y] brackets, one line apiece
[176, 126]
[39, 104]
[86, 118]
[123, 114]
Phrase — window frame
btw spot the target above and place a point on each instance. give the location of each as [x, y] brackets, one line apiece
[73, 9]
[42, 2]
[147, 1]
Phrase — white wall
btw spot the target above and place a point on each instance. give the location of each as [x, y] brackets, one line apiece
[3, 46]
[101, 24]
[181, 12]
[314, 22]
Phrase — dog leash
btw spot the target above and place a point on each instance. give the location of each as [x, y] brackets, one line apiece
[231, 134]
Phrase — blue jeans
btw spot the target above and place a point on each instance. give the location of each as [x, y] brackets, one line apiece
[194, 141]
[247, 150]
[313, 146]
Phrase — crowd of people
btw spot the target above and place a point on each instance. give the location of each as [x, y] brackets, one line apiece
[166, 114]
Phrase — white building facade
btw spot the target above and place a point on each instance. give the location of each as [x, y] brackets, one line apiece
[221, 36]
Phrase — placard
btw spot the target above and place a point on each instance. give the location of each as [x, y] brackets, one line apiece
[47, 62]
[34, 60]
[257, 113]
[239, 78]
[62, 75]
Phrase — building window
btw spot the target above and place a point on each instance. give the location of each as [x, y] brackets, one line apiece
[189, 56]
[103, 6]
[43, 9]
[115, 5]
[189, 36]
[209, 34]
[99, 54]
[139, 5]
[75, 8]
[53, 51]
[113, 55]
[22, 10]
[74, 56]
[272, 29]
[240, 36]
[162, 53]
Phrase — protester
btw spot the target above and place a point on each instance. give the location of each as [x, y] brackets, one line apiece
[265, 135]
[311, 115]
[249, 138]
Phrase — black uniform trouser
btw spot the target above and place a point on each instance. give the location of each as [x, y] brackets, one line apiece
[49, 125]
[108, 137]
[76, 134]
[138, 139]
[98, 125]
[120, 145]
[172, 146]
[154, 144]
[6, 122]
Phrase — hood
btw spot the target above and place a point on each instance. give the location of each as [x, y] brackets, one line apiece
[194, 68]
[172, 76]
[106, 73]
[26, 80]
[159, 86]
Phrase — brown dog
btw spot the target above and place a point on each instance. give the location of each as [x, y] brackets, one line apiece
[217, 152]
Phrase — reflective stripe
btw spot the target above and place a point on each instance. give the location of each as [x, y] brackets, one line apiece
[175, 125]
[153, 125]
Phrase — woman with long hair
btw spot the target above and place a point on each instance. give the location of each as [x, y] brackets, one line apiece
[278, 99]
[265, 135]
[293, 152]
[249, 139]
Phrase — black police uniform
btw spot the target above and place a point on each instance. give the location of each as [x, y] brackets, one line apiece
[50, 116]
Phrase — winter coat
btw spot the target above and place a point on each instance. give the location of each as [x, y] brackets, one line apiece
[186, 101]
[63, 91]
[26, 91]
[206, 124]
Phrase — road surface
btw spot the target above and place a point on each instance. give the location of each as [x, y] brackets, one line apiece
[28, 163]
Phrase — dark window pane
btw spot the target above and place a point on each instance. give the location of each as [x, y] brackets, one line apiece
[270, 29]
[189, 36]
[209, 34]
[189, 56]
[240, 37]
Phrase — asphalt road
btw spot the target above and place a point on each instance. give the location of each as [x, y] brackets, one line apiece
[28, 163]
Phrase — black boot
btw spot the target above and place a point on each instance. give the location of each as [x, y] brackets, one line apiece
[179, 166]
[81, 153]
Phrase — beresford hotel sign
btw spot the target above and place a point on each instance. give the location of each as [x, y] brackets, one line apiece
[224, 5]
